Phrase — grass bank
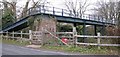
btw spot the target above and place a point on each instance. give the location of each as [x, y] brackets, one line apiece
[14, 42]
[86, 49]
[81, 49]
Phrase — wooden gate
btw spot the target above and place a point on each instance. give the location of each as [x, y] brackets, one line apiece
[36, 37]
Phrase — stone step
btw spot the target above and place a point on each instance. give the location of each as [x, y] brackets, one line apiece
[33, 46]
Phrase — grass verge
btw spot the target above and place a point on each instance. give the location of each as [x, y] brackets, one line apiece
[86, 49]
[14, 42]
[81, 49]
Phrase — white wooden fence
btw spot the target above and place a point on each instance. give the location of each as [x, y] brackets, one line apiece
[98, 40]
[86, 36]
[32, 33]
[11, 35]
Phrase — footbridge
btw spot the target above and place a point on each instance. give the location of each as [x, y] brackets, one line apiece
[61, 15]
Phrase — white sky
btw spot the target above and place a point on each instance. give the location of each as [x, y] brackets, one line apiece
[55, 3]
[58, 3]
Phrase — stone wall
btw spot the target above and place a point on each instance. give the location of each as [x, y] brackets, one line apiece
[48, 24]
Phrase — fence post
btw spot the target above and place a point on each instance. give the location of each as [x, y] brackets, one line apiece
[30, 35]
[1, 35]
[75, 38]
[98, 40]
[21, 37]
[13, 35]
[7, 35]
[42, 33]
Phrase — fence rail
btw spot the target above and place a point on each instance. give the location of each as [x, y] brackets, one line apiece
[97, 36]
[16, 35]
[95, 44]
[98, 40]
[75, 37]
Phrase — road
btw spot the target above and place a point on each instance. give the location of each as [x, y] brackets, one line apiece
[18, 50]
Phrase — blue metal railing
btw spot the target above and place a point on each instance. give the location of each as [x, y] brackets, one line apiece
[65, 12]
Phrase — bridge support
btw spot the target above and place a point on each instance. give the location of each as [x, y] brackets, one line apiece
[103, 30]
[84, 32]
[84, 29]
[95, 30]
[74, 24]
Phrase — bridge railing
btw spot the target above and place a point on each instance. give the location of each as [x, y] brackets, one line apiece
[64, 12]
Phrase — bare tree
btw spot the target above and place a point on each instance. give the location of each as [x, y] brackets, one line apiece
[107, 9]
[10, 7]
[35, 3]
[110, 10]
[8, 13]
[40, 2]
[118, 19]
[77, 8]
[24, 12]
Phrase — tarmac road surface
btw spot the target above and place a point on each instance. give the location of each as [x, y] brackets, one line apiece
[18, 50]
[14, 50]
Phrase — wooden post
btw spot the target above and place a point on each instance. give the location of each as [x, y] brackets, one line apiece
[30, 36]
[7, 35]
[42, 36]
[1, 35]
[21, 37]
[74, 33]
[76, 39]
[13, 35]
[98, 40]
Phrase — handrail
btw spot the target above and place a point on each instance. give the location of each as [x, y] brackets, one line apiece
[64, 12]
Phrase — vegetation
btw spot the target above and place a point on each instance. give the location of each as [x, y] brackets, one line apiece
[85, 49]
[77, 8]
[64, 28]
[14, 42]
[8, 15]
[78, 49]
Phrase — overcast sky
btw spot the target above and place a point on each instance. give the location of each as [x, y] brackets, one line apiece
[58, 3]
[55, 3]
